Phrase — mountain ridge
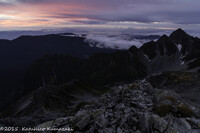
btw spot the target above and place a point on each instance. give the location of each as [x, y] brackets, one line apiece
[136, 63]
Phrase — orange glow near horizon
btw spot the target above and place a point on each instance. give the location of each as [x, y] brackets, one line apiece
[43, 15]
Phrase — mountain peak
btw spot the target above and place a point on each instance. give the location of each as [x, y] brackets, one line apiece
[180, 30]
[181, 37]
[179, 33]
[133, 48]
[163, 38]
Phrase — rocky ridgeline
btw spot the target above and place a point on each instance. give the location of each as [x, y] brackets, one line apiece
[134, 108]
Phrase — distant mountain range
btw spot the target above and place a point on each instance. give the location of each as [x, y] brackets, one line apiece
[166, 54]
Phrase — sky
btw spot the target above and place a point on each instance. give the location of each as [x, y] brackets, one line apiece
[105, 14]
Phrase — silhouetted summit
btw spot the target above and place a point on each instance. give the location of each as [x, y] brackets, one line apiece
[179, 32]
[179, 36]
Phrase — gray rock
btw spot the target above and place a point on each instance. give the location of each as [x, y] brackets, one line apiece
[101, 121]
[138, 131]
[157, 123]
[179, 125]
[119, 130]
[106, 130]
[132, 121]
[127, 110]
[111, 105]
[144, 122]
[185, 124]
[120, 107]
[46, 124]
[84, 121]
[194, 121]
[142, 106]
[118, 114]
[62, 121]
[108, 114]
[124, 120]
[171, 130]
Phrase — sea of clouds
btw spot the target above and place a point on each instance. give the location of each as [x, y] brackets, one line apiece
[112, 39]
[122, 42]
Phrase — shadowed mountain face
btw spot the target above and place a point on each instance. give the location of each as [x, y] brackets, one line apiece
[18, 54]
[102, 69]
[51, 70]
[178, 52]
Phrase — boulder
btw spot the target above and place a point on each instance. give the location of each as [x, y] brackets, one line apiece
[158, 124]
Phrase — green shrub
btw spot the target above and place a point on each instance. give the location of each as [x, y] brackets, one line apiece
[170, 98]
[135, 86]
[162, 110]
[180, 77]
[185, 111]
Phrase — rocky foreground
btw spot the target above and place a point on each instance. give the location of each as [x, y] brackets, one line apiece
[134, 108]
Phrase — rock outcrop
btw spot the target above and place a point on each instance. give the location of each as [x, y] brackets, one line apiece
[131, 108]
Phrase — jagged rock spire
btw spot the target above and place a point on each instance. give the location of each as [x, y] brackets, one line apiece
[179, 36]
